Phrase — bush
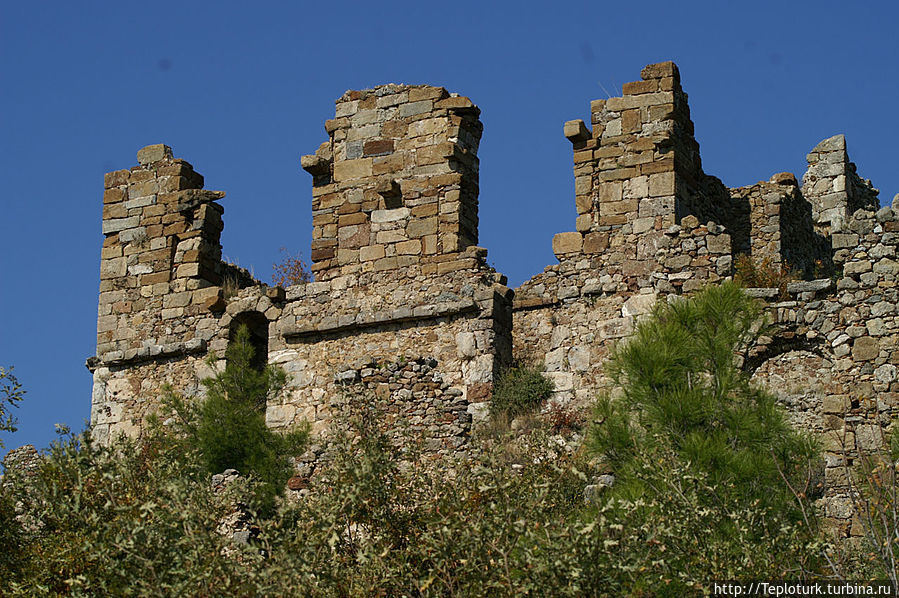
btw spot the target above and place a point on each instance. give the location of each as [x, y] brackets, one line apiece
[290, 270]
[519, 389]
[130, 520]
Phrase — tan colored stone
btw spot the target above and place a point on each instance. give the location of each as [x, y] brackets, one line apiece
[345, 170]
[565, 243]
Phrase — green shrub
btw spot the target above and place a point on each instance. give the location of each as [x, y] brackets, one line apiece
[228, 427]
[136, 520]
[518, 390]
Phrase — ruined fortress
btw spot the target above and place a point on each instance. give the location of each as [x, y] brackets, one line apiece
[403, 303]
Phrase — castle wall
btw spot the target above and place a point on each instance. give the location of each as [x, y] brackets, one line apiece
[399, 279]
[405, 310]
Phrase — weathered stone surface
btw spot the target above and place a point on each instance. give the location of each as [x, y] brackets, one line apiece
[567, 243]
[153, 153]
[404, 307]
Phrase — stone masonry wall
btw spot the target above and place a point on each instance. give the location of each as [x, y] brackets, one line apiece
[396, 184]
[405, 310]
[833, 186]
[398, 277]
[832, 358]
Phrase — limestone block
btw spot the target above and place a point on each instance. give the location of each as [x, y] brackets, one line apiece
[566, 243]
[466, 345]
[639, 305]
[153, 153]
[869, 438]
[718, 243]
[576, 130]
[393, 215]
[857, 267]
[579, 358]
[616, 328]
[885, 373]
[117, 224]
[562, 381]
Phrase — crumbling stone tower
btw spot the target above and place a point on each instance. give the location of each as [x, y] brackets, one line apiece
[396, 184]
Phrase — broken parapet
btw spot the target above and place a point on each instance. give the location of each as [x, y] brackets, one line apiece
[161, 278]
[772, 224]
[833, 186]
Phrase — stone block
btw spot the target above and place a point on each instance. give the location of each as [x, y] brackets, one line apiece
[119, 224]
[637, 87]
[661, 184]
[659, 70]
[412, 247]
[116, 178]
[415, 108]
[153, 153]
[371, 253]
[718, 243]
[114, 195]
[421, 227]
[566, 243]
[843, 240]
[596, 242]
[865, 348]
[352, 169]
[610, 191]
[576, 130]
[393, 215]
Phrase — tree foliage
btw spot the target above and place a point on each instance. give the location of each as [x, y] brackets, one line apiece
[685, 403]
[228, 427]
[11, 393]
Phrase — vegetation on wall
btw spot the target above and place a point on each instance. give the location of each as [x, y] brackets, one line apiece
[519, 389]
[228, 428]
[708, 485]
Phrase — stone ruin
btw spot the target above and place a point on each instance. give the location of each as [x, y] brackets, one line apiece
[403, 305]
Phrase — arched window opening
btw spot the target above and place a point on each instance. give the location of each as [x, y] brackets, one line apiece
[257, 325]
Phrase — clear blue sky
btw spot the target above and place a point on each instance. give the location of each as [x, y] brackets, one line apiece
[242, 91]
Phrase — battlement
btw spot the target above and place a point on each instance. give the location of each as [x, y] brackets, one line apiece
[405, 308]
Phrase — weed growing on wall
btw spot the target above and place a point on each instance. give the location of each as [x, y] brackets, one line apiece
[519, 389]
